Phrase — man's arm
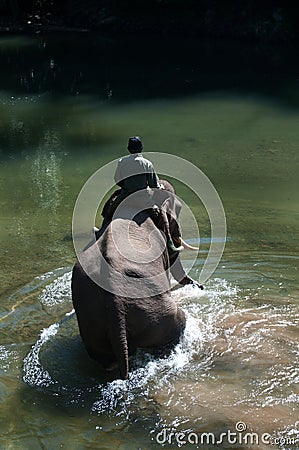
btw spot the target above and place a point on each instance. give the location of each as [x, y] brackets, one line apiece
[152, 178]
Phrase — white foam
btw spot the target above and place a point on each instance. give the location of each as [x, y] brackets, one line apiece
[57, 292]
[118, 395]
[7, 356]
[34, 373]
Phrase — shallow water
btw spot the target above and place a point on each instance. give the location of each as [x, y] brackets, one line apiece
[237, 362]
[238, 358]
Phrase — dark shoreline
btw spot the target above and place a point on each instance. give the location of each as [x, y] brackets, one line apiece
[273, 30]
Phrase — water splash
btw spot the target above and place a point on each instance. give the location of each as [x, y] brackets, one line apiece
[57, 292]
[8, 356]
[46, 173]
[151, 374]
[34, 373]
[229, 341]
[145, 367]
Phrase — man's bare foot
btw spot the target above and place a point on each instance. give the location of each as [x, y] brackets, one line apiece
[187, 280]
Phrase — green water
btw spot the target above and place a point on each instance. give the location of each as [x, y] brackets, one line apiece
[67, 107]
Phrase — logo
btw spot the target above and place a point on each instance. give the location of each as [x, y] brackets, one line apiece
[240, 436]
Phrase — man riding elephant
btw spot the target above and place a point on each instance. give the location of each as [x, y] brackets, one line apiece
[135, 173]
[136, 176]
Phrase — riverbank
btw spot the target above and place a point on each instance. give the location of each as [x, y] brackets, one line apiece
[250, 22]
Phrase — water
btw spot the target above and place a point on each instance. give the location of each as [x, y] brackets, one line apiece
[66, 113]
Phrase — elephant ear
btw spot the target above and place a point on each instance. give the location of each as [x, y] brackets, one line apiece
[166, 199]
[177, 208]
[173, 214]
[172, 206]
[170, 202]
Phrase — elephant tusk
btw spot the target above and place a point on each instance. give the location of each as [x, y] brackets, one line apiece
[187, 246]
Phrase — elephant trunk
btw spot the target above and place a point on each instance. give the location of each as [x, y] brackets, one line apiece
[187, 246]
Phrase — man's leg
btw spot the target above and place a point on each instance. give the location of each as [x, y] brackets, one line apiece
[170, 245]
[110, 207]
[160, 219]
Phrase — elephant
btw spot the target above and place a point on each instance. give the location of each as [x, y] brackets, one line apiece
[121, 289]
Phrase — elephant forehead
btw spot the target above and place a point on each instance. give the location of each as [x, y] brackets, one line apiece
[137, 243]
[118, 263]
[121, 276]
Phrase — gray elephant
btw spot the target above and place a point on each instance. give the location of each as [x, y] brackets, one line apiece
[121, 290]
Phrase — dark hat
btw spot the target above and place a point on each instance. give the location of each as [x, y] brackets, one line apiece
[135, 144]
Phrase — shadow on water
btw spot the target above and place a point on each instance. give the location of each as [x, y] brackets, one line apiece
[150, 67]
[58, 367]
[56, 82]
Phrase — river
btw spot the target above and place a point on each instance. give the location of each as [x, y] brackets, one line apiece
[67, 106]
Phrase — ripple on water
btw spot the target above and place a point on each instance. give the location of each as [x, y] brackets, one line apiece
[47, 294]
[236, 360]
